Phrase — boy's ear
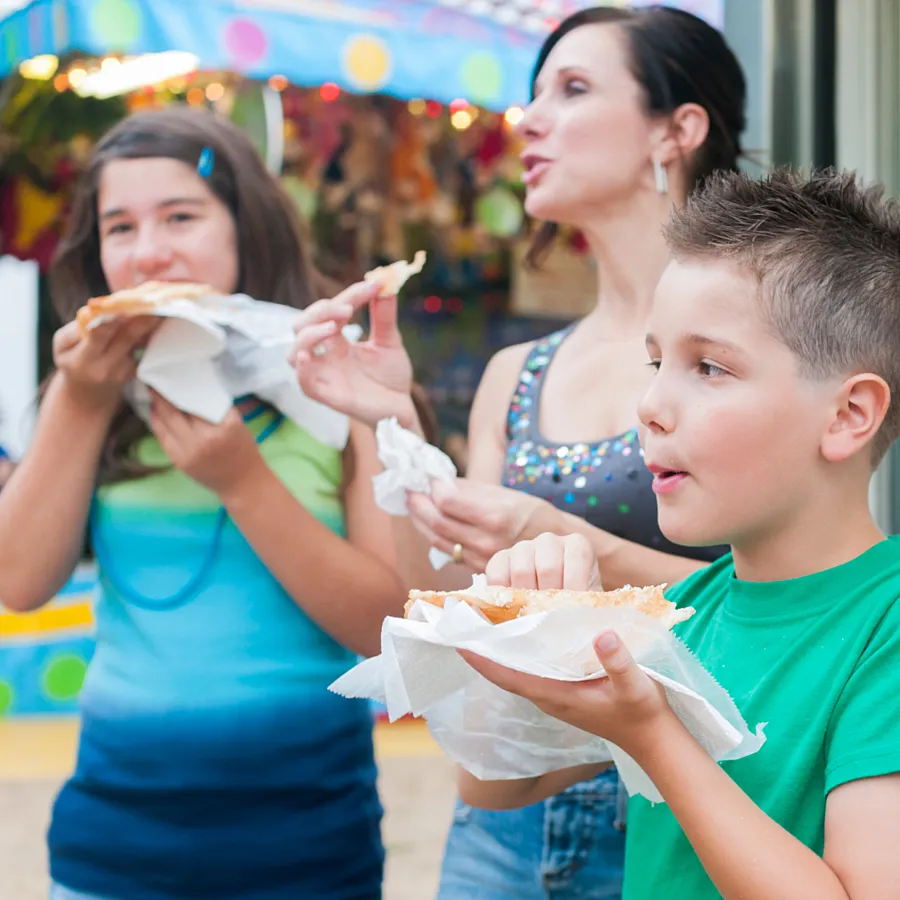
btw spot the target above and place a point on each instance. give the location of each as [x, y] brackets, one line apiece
[861, 406]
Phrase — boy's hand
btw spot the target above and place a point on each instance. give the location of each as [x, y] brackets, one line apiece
[547, 562]
[627, 707]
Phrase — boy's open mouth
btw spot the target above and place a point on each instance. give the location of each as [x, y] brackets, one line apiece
[665, 479]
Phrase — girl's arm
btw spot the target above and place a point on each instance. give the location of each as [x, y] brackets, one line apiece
[44, 506]
[347, 586]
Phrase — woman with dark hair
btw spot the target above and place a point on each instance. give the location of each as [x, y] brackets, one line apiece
[631, 111]
[242, 566]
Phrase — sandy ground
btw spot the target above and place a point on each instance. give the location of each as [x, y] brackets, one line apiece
[417, 792]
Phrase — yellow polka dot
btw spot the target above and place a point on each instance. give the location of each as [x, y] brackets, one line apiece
[367, 62]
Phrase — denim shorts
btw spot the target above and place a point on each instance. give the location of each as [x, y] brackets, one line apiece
[570, 847]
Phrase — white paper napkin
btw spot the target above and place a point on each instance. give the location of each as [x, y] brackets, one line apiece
[496, 735]
[410, 464]
[213, 350]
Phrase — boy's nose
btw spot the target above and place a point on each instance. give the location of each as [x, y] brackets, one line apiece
[654, 412]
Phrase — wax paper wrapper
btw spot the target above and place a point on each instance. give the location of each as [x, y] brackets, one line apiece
[410, 464]
[209, 351]
[496, 735]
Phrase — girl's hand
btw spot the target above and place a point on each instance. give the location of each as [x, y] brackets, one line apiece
[370, 380]
[96, 364]
[219, 456]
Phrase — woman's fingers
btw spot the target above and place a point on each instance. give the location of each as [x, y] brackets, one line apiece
[310, 336]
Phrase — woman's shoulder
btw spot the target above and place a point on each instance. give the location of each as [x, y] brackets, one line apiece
[505, 367]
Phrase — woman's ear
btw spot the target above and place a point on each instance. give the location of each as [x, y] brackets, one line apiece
[686, 130]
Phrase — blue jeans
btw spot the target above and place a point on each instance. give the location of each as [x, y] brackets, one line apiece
[570, 847]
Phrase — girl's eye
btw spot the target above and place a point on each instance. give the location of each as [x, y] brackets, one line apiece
[710, 370]
[118, 228]
[655, 364]
[181, 217]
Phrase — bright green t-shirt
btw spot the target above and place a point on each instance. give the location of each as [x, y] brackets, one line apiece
[818, 659]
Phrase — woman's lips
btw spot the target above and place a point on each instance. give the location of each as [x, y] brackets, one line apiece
[534, 169]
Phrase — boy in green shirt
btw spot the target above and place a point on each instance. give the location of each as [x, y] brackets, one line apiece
[776, 336]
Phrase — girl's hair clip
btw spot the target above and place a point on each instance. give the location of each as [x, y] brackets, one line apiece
[206, 163]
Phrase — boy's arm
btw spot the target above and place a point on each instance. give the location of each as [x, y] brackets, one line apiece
[749, 856]
[518, 792]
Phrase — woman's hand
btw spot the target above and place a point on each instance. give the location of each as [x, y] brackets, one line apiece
[369, 380]
[96, 364]
[220, 457]
[483, 519]
[627, 706]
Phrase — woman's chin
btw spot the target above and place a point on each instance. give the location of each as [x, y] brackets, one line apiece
[542, 205]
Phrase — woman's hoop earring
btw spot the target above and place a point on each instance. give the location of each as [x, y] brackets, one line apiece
[661, 177]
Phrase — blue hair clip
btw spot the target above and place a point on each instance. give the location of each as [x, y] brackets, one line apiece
[206, 163]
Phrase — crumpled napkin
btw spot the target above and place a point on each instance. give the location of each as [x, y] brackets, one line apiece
[496, 735]
[210, 351]
[410, 464]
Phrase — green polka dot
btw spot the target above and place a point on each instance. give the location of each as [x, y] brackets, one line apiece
[624, 508]
[7, 695]
[482, 78]
[116, 23]
[592, 501]
[64, 677]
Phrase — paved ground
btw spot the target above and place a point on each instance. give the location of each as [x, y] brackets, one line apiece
[416, 789]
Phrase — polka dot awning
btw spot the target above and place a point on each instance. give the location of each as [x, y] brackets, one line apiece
[536, 16]
[480, 50]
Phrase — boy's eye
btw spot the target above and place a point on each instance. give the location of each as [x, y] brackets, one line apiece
[710, 370]
[655, 364]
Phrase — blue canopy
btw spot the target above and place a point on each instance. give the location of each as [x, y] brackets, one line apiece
[407, 48]
[478, 50]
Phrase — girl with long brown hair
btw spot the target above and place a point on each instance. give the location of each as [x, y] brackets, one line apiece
[242, 566]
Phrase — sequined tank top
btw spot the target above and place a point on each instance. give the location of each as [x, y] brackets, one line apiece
[605, 483]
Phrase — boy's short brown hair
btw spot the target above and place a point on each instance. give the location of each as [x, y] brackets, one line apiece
[826, 252]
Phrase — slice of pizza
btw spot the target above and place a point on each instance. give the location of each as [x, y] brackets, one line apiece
[142, 300]
[391, 278]
[502, 604]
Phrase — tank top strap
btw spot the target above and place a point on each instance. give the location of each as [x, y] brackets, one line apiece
[522, 418]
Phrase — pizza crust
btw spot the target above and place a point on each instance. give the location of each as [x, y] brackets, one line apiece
[499, 604]
[391, 278]
[142, 300]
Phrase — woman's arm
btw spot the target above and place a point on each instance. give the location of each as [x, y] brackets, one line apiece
[347, 586]
[518, 792]
[487, 450]
[44, 506]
